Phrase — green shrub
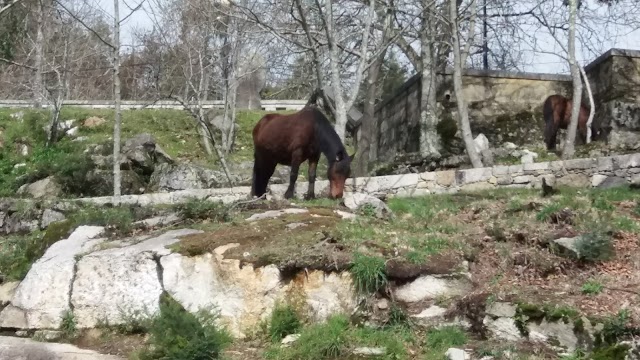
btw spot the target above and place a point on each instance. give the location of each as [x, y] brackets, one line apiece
[595, 246]
[284, 321]
[176, 334]
[368, 273]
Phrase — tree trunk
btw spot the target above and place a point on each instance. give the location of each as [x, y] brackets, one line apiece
[38, 84]
[569, 145]
[592, 105]
[457, 84]
[368, 126]
[430, 145]
[117, 103]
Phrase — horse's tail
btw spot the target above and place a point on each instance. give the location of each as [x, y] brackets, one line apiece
[549, 127]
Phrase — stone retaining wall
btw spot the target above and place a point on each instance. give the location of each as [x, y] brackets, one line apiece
[589, 172]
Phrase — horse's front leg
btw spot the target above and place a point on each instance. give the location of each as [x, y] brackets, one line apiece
[295, 167]
[313, 164]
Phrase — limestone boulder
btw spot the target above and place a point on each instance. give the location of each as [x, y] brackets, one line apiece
[93, 121]
[43, 296]
[172, 177]
[141, 154]
[429, 287]
[356, 201]
[41, 189]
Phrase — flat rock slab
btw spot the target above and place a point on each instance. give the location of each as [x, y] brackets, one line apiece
[119, 282]
[43, 296]
[26, 349]
[271, 214]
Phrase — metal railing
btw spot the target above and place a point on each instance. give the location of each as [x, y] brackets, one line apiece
[268, 105]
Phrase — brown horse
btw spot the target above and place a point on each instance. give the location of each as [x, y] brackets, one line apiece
[557, 115]
[291, 140]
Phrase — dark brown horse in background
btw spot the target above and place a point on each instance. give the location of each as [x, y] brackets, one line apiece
[557, 115]
[291, 140]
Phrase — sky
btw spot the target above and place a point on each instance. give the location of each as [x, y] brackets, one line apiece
[542, 60]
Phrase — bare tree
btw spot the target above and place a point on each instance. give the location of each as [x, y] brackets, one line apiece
[458, 59]
[8, 6]
[114, 45]
[569, 145]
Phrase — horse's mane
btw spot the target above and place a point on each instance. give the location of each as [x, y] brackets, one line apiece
[328, 140]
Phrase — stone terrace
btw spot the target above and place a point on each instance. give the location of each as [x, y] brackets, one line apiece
[616, 170]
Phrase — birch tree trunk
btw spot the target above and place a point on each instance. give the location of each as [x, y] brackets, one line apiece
[592, 105]
[569, 145]
[430, 145]
[38, 84]
[117, 103]
[463, 113]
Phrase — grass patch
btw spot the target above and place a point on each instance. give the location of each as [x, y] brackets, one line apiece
[117, 220]
[337, 338]
[368, 273]
[174, 131]
[178, 334]
[440, 339]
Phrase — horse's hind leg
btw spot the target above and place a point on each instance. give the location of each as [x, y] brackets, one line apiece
[295, 168]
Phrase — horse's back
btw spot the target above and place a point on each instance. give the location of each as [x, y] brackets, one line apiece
[279, 134]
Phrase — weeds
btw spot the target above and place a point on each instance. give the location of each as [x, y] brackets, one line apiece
[68, 325]
[592, 287]
[198, 210]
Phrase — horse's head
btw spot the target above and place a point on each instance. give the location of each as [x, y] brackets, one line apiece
[338, 172]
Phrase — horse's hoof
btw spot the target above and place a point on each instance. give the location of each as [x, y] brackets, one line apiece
[309, 197]
[288, 195]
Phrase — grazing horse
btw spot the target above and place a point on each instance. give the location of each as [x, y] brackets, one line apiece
[291, 140]
[557, 115]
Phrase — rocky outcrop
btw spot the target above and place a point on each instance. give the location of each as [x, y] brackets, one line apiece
[43, 296]
[98, 281]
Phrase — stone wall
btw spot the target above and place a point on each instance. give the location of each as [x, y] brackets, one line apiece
[507, 106]
[615, 82]
[490, 95]
[589, 172]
